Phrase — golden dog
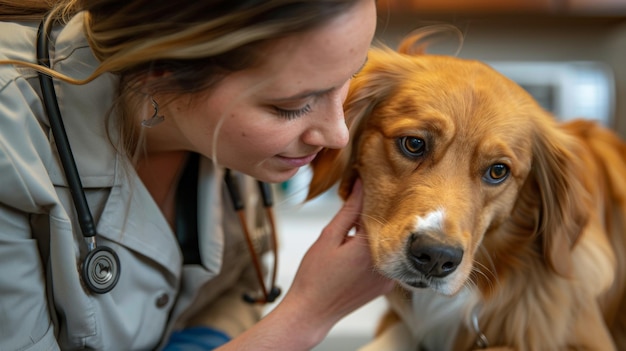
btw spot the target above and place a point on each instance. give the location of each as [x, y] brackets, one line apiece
[503, 228]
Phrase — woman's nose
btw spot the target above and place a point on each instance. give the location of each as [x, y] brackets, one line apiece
[328, 129]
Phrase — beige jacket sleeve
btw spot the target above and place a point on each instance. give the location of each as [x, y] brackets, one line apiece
[22, 275]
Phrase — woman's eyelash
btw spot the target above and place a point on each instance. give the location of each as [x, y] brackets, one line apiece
[291, 114]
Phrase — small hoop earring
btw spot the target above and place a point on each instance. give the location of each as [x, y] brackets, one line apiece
[155, 119]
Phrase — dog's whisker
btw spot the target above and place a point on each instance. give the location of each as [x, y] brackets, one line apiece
[470, 285]
[378, 219]
[492, 269]
[490, 278]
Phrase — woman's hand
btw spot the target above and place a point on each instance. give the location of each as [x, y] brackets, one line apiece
[336, 276]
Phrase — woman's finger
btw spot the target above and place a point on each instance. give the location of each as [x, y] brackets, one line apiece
[346, 218]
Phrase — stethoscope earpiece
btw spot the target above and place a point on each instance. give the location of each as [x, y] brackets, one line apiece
[272, 295]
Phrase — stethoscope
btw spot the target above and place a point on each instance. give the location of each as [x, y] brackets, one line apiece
[101, 269]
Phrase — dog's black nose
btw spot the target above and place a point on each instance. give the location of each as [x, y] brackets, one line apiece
[432, 257]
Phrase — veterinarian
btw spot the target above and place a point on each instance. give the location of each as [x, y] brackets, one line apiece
[130, 214]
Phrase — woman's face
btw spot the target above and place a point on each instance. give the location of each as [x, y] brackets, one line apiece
[270, 120]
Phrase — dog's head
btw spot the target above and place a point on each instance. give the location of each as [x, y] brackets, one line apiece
[464, 175]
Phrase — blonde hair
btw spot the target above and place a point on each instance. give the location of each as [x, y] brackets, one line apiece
[196, 42]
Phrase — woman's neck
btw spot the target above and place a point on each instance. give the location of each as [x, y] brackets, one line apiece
[160, 173]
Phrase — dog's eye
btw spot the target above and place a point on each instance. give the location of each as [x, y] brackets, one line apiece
[496, 174]
[412, 146]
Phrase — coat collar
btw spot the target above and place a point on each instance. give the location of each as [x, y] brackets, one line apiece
[131, 217]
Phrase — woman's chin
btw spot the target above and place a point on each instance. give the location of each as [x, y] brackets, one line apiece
[277, 176]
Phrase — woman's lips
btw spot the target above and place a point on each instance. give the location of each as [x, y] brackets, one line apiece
[297, 161]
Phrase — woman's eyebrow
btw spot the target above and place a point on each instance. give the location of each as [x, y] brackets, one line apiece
[302, 95]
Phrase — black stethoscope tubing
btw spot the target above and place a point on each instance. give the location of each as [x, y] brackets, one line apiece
[101, 267]
[58, 131]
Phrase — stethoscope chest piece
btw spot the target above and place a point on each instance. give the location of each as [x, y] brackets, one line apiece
[101, 270]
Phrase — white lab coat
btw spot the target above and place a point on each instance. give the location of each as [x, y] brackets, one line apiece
[43, 304]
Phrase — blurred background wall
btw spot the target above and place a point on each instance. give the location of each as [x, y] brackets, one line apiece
[527, 31]
[570, 54]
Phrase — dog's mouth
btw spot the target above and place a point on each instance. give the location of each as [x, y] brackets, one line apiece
[419, 284]
[411, 279]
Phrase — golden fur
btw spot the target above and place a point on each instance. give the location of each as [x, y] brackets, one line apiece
[450, 150]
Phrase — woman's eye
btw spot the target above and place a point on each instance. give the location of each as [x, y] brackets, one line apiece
[496, 173]
[412, 146]
[292, 114]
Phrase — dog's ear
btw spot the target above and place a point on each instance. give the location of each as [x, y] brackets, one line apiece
[372, 85]
[327, 168]
[331, 165]
[564, 201]
[418, 41]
